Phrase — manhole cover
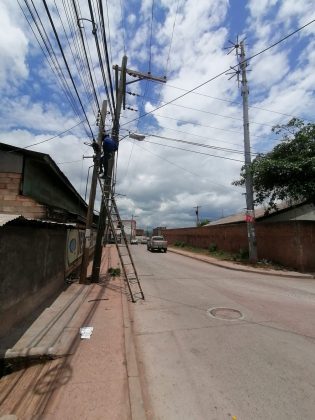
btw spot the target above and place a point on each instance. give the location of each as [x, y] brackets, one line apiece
[225, 313]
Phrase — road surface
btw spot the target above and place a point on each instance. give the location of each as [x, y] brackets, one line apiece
[255, 359]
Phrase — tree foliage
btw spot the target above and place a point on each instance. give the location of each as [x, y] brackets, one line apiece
[203, 222]
[288, 171]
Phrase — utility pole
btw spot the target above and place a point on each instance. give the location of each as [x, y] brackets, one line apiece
[120, 94]
[250, 214]
[108, 183]
[89, 218]
[197, 215]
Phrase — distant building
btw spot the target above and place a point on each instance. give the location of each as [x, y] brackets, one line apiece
[130, 228]
[139, 232]
[158, 231]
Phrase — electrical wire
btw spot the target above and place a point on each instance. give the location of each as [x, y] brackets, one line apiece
[212, 113]
[51, 57]
[184, 169]
[67, 65]
[86, 57]
[208, 146]
[194, 151]
[57, 135]
[223, 72]
[170, 47]
[151, 35]
[231, 102]
[101, 13]
[100, 58]
[80, 70]
[123, 25]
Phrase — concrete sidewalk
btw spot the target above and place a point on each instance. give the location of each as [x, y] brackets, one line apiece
[230, 265]
[94, 378]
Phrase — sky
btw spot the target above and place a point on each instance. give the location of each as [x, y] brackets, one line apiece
[161, 180]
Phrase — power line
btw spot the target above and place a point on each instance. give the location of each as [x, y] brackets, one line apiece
[86, 57]
[66, 63]
[231, 102]
[151, 34]
[184, 169]
[194, 151]
[101, 12]
[57, 70]
[123, 25]
[94, 31]
[208, 146]
[222, 73]
[171, 42]
[51, 138]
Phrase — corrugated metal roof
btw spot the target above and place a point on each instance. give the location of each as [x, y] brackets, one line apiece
[6, 218]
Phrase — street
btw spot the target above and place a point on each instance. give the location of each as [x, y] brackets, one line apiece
[254, 362]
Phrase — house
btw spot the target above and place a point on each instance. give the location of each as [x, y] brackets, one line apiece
[42, 218]
[302, 212]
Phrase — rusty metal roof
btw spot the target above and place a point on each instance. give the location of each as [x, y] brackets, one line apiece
[18, 218]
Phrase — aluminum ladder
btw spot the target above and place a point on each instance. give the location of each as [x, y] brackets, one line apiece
[116, 228]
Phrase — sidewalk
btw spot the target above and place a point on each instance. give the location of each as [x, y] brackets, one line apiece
[94, 378]
[241, 267]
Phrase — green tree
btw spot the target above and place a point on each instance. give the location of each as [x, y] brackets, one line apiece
[203, 222]
[288, 171]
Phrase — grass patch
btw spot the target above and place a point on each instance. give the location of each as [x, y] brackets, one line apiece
[240, 257]
[114, 272]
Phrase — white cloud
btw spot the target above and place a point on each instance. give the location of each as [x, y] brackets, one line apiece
[13, 50]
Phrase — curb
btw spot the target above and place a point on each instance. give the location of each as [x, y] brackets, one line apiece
[289, 274]
[135, 390]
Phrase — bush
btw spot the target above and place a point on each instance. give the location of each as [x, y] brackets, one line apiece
[212, 248]
[243, 254]
[180, 244]
[114, 272]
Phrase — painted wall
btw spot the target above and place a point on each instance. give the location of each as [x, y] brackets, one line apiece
[291, 244]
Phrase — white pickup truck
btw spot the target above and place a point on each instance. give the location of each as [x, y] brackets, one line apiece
[157, 243]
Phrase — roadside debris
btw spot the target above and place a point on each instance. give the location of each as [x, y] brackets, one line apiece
[86, 332]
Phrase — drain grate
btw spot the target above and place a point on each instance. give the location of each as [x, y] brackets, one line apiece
[225, 313]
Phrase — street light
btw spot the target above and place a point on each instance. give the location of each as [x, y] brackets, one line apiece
[137, 136]
[134, 136]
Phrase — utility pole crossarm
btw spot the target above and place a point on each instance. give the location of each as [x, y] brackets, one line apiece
[141, 76]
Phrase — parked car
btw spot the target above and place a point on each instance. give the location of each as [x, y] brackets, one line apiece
[157, 243]
[144, 240]
[134, 241]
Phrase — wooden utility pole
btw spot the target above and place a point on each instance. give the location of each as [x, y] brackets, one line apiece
[89, 218]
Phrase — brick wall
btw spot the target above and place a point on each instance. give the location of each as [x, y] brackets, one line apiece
[11, 202]
[291, 244]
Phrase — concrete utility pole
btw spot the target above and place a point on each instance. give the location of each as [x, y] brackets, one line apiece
[197, 215]
[250, 214]
[89, 218]
[120, 94]
[108, 184]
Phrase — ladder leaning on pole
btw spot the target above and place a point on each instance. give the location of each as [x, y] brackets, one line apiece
[116, 228]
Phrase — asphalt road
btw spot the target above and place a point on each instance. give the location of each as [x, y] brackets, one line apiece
[197, 366]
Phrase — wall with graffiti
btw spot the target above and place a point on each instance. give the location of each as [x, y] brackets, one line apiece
[74, 248]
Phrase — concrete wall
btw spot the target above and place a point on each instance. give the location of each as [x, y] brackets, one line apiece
[291, 244]
[32, 264]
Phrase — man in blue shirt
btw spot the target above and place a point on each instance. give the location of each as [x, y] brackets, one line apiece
[109, 148]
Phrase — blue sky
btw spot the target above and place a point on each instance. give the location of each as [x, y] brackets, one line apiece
[162, 183]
